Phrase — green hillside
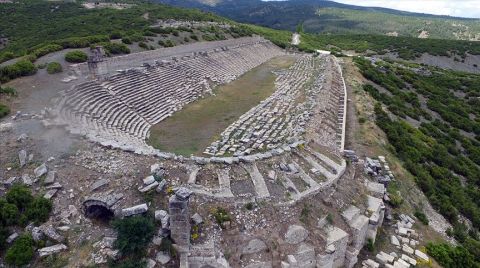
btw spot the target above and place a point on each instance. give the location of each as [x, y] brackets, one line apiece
[348, 21]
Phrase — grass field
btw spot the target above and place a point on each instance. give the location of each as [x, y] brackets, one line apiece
[192, 129]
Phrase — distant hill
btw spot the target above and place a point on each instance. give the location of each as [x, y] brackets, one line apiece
[320, 16]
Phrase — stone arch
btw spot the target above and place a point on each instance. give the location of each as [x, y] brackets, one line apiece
[97, 209]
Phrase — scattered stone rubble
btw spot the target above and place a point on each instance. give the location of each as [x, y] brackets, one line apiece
[406, 240]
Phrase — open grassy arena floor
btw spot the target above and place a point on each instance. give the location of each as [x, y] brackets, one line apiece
[192, 129]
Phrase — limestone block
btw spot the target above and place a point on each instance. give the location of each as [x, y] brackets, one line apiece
[394, 241]
[254, 246]
[40, 171]
[407, 249]
[339, 239]
[295, 234]
[421, 255]
[139, 209]
[47, 251]
[325, 260]
[305, 256]
[409, 260]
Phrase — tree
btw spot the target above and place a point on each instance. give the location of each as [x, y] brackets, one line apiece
[134, 234]
[21, 252]
[76, 56]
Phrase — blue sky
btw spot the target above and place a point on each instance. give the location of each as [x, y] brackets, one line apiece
[457, 8]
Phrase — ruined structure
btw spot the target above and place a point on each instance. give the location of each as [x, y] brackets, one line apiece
[97, 64]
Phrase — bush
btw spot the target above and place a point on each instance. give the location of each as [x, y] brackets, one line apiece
[54, 67]
[19, 195]
[451, 257]
[8, 91]
[194, 37]
[21, 252]
[4, 110]
[76, 56]
[134, 234]
[143, 45]
[221, 216]
[421, 217]
[127, 40]
[39, 210]
[8, 213]
[166, 43]
[115, 48]
[3, 237]
[22, 67]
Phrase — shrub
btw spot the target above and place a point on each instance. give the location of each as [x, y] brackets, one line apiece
[39, 210]
[115, 48]
[21, 252]
[4, 110]
[3, 237]
[19, 195]
[22, 67]
[8, 213]
[76, 56]
[421, 217]
[194, 37]
[54, 67]
[44, 50]
[116, 35]
[221, 216]
[370, 245]
[134, 234]
[8, 91]
[143, 45]
[166, 43]
[127, 40]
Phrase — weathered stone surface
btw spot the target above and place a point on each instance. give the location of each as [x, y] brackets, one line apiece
[163, 258]
[182, 193]
[135, 210]
[50, 232]
[197, 219]
[161, 186]
[27, 180]
[47, 251]
[50, 193]
[421, 255]
[394, 241]
[22, 157]
[151, 263]
[148, 180]
[254, 246]
[12, 237]
[149, 187]
[305, 256]
[296, 234]
[37, 234]
[407, 249]
[98, 184]
[41, 170]
[51, 175]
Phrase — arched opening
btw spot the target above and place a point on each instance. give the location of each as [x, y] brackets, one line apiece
[98, 210]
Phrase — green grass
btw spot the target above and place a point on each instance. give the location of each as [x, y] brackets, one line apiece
[192, 129]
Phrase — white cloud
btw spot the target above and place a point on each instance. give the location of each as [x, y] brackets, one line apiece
[457, 8]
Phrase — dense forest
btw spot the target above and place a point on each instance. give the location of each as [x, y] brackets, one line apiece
[432, 119]
[330, 17]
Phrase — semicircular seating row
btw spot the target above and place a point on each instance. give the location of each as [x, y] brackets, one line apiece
[120, 111]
